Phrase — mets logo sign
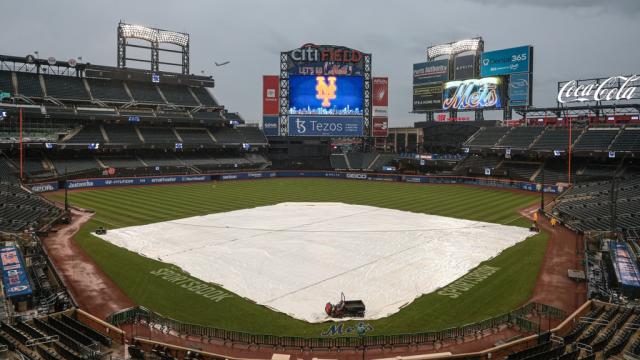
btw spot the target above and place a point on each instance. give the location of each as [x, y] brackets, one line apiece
[324, 91]
[341, 329]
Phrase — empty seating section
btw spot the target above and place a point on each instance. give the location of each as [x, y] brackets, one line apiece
[488, 136]
[554, 172]
[208, 115]
[71, 165]
[158, 135]
[476, 161]
[596, 139]
[5, 82]
[588, 206]
[520, 170]
[108, 90]
[194, 136]
[65, 87]
[204, 96]
[382, 160]
[607, 331]
[595, 171]
[87, 134]
[145, 92]
[252, 135]
[232, 116]
[628, 140]
[7, 172]
[555, 139]
[20, 209]
[121, 162]
[121, 134]
[29, 85]
[178, 95]
[226, 135]
[521, 137]
[339, 161]
[160, 159]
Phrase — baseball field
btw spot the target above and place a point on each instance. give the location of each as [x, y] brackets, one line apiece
[508, 285]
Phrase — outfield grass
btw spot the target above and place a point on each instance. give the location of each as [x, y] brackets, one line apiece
[505, 290]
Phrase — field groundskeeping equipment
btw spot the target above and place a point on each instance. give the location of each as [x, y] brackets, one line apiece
[345, 308]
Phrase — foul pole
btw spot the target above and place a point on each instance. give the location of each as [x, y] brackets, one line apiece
[21, 150]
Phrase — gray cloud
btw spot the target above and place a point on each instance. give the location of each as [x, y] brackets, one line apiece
[572, 38]
[618, 6]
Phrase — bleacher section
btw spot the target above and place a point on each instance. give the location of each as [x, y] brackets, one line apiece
[76, 165]
[145, 93]
[20, 209]
[195, 136]
[520, 170]
[158, 135]
[339, 161]
[66, 88]
[251, 135]
[5, 82]
[108, 90]
[382, 160]
[554, 172]
[87, 134]
[596, 139]
[204, 96]
[607, 331]
[628, 140]
[478, 163]
[227, 135]
[121, 134]
[29, 85]
[178, 95]
[555, 139]
[520, 137]
[487, 136]
[588, 206]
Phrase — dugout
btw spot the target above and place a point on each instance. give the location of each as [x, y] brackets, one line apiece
[625, 270]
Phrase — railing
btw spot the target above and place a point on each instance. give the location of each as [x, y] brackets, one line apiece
[141, 314]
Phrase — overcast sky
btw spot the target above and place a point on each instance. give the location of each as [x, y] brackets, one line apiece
[572, 38]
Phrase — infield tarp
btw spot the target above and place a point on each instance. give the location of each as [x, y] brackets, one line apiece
[295, 257]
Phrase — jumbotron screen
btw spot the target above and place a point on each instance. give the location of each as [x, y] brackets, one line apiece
[325, 95]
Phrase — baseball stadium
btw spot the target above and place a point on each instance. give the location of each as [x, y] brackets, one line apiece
[142, 218]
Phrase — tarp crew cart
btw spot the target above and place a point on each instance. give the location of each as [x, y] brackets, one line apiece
[345, 308]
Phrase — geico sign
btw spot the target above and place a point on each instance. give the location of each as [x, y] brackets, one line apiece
[608, 90]
[357, 176]
[312, 53]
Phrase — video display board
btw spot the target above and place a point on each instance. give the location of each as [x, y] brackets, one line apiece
[325, 95]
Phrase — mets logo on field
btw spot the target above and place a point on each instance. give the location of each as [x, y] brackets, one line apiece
[324, 91]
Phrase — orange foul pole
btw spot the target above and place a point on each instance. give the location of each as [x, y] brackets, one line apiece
[570, 148]
[21, 150]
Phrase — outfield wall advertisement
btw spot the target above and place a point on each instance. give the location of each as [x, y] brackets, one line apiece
[423, 179]
[92, 183]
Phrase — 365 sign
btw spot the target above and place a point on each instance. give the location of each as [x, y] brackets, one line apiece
[615, 88]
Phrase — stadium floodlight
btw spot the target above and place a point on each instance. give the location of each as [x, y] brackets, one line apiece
[154, 35]
[454, 48]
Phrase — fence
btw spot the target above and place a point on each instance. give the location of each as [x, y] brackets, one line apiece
[141, 314]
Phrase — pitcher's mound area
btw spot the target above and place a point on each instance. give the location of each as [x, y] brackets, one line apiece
[294, 257]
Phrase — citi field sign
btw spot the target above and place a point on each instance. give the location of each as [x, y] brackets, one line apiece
[615, 88]
[325, 53]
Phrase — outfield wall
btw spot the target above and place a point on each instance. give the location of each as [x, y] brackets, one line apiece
[179, 179]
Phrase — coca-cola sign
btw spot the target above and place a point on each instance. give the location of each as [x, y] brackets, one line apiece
[615, 88]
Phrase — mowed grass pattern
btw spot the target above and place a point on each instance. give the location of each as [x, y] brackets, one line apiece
[507, 289]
